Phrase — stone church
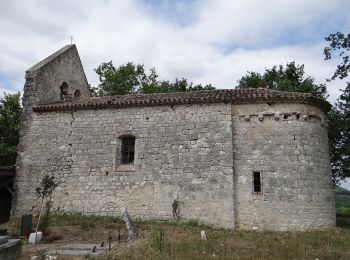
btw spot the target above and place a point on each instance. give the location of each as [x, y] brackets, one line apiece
[236, 158]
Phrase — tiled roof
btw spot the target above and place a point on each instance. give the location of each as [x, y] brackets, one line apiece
[234, 96]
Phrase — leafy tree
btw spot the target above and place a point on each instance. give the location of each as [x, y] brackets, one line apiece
[289, 78]
[44, 191]
[132, 79]
[126, 79]
[339, 136]
[10, 112]
[339, 45]
[339, 116]
[179, 85]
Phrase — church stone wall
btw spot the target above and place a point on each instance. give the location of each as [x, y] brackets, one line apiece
[202, 155]
[182, 152]
[288, 145]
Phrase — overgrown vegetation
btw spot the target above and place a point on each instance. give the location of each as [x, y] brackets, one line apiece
[44, 191]
[342, 205]
[339, 117]
[285, 78]
[176, 209]
[84, 221]
[342, 201]
[175, 240]
[184, 242]
[339, 136]
[10, 113]
[132, 78]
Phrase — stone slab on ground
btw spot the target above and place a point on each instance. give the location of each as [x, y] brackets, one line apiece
[78, 249]
[4, 239]
[10, 248]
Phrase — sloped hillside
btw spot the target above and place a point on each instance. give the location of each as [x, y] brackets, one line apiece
[342, 201]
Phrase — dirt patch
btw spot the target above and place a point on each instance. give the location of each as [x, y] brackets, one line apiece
[77, 234]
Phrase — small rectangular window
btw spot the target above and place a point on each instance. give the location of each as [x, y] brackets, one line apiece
[257, 185]
[128, 150]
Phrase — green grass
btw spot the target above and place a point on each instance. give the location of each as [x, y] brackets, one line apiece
[174, 240]
[342, 201]
[83, 220]
[163, 240]
[183, 242]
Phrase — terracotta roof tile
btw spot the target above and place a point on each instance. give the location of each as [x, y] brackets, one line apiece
[234, 96]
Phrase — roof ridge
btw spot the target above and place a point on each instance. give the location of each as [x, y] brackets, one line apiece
[50, 58]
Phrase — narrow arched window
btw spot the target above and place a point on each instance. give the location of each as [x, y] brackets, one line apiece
[64, 90]
[77, 94]
[128, 150]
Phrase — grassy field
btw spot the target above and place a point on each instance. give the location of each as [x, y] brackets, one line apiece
[183, 242]
[342, 201]
[173, 240]
[342, 204]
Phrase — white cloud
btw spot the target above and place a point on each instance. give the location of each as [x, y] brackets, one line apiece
[218, 42]
[345, 184]
[4, 91]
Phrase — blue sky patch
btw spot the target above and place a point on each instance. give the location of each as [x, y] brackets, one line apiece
[179, 12]
[6, 81]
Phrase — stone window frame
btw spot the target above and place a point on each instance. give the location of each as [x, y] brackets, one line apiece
[260, 185]
[120, 166]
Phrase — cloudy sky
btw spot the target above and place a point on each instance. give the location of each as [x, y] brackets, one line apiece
[205, 41]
